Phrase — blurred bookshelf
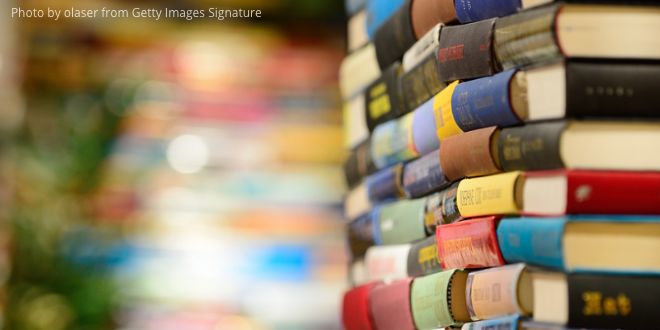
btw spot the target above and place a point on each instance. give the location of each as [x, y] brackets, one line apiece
[173, 174]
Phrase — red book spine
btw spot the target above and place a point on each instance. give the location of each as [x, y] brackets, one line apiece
[469, 244]
[355, 308]
[390, 306]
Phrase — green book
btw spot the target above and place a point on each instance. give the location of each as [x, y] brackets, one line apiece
[402, 222]
[438, 300]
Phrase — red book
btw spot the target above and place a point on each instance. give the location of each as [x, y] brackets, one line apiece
[355, 308]
[591, 192]
[469, 244]
[390, 306]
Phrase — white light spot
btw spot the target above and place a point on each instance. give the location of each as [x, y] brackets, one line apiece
[187, 154]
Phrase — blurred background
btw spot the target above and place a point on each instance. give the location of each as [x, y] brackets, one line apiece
[172, 174]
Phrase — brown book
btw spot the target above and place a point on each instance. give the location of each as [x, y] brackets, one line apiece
[469, 154]
[427, 13]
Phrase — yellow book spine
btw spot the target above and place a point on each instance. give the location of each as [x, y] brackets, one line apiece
[444, 118]
[490, 195]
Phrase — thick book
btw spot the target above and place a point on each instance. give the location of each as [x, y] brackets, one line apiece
[428, 13]
[510, 322]
[423, 176]
[438, 300]
[383, 99]
[401, 222]
[603, 243]
[426, 45]
[441, 208]
[355, 314]
[469, 244]
[356, 130]
[490, 195]
[466, 51]
[499, 291]
[395, 36]
[423, 258]
[359, 164]
[445, 122]
[422, 82]
[470, 154]
[392, 142]
[603, 301]
[385, 184]
[390, 306]
[387, 262]
[577, 30]
[424, 136]
[357, 31]
[360, 233]
[357, 71]
[378, 12]
[476, 10]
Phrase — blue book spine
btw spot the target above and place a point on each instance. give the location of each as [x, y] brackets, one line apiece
[537, 241]
[383, 185]
[423, 176]
[391, 142]
[476, 10]
[375, 224]
[353, 6]
[425, 137]
[378, 11]
[484, 102]
[501, 323]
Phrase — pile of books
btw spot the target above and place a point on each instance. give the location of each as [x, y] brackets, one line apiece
[504, 165]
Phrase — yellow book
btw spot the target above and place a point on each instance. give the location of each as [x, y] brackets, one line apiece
[490, 195]
[444, 118]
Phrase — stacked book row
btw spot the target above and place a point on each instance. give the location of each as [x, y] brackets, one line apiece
[504, 166]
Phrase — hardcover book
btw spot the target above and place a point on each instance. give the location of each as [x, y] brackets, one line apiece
[499, 291]
[390, 306]
[438, 300]
[469, 244]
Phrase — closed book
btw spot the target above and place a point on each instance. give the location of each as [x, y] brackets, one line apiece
[387, 262]
[395, 36]
[603, 243]
[355, 314]
[359, 164]
[598, 145]
[423, 176]
[356, 130]
[357, 202]
[424, 137]
[360, 233]
[357, 273]
[509, 322]
[401, 222]
[441, 208]
[469, 244]
[422, 82]
[423, 258]
[385, 184]
[602, 301]
[428, 13]
[392, 142]
[357, 31]
[466, 51]
[499, 291]
[445, 123]
[378, 12]
[383, 97]
[438, 300]
[476, 10]
[490, 195]
[423, 48]
[470, 154]
[357, 71]
[577, 30]
[390, 306]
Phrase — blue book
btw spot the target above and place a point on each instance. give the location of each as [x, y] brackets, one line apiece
[599, 243]
[509, 322]
[484, 102]
[476, 10]
[423, 176]
[384, 184]
[378, 11]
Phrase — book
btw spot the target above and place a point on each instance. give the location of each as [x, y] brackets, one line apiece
[602, 301]
[392, 142]
[357, 31]
[510, 322]
[438, 300]
[360, 234]
[390, 306]
[357, 71]
[424, 136]
[387, 262]
[395, 36]
[603, 243]
[423, 258]
[355, 128]
[499, 291]
[359, 164]
[465, 51]
[401, 222]
[423, 176]
[423, 48]
[378, 12]
[441, 208]
[385, 184]
[490, 195]
[470, 243]
[355, 314]
[422, 82]
[445, 122]
[357, 202]
[383, 99]
[547, 33]
[470, 154]
[428, 13]
[476, 10]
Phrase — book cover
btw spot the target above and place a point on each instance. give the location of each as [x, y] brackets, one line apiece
[423, 258]
[395, 36]
[466, 51]
[421, 83]
[423, 176]
[355, 308]
[499, 291]
[438, 300]
[387, 262]
[470, 154]
[383, 99]
[392, 142]
[424, 134]
[384, 185]
[444, 117]
[469, 244]
[490, 195]
[402, 221]
[390, 306]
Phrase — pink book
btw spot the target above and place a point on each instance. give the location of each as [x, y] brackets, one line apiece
[390, 306]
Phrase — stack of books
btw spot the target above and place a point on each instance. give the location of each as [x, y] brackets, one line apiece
[504, 165]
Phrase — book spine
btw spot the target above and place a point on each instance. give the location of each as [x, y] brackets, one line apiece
[430, 300]
[476, 10]
[357, 71]
[357, 31]
[537, 241]
[391, 142]
[423, 48]
[359, 164]
[425, 138]
[500, 323]
[427, 13]
[385, 184]
[378, 12]
[489, 195]
[355, 124]
[470, 154]
[494, 292]
[531, 147]
[608, 192]
[444, 117]
[484, 102]
[469, 244]
[360, 233]
[402, 221]
[609, 301]
[390, 305]
[395, 36]
[355, 308]
[423, 258]
[387, 262]
[612, 89]
[423, 176]
[357, 202]
[421, 83]
[466, 51]
[383, 99]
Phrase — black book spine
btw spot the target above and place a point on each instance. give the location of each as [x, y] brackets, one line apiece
[423, 258]
[613, 301]
[611, 89]
[359, 164]
[530, 147]
[466, 51]
[383, 99]
[421, 83]
[395, 36]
